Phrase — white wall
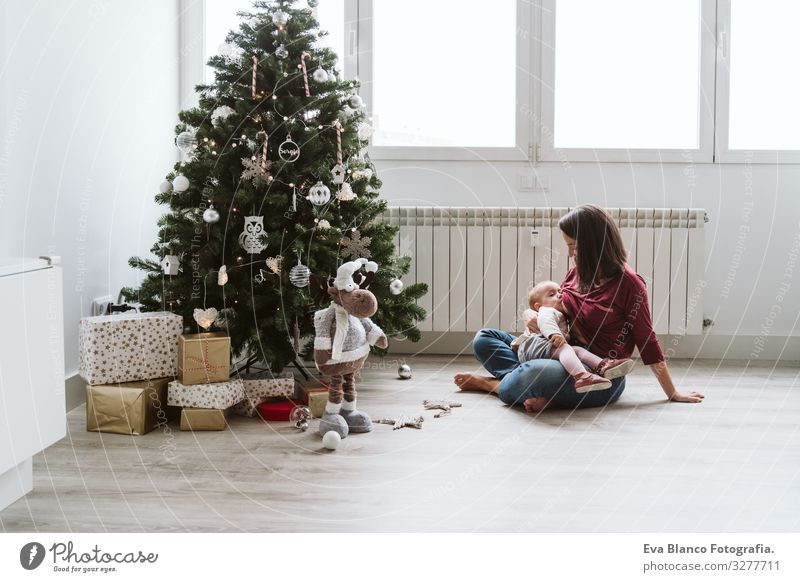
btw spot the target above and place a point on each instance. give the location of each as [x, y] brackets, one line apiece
[754, 211]
[89, 101]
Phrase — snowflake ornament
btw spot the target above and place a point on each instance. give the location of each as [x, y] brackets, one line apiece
[254, 171]
[232, 54]
[356, 246]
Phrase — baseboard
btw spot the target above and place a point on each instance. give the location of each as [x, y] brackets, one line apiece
[785, 350]
[74, 391]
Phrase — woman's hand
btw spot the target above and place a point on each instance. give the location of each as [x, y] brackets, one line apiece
[688, 397]
[557, 340]
[661, 372]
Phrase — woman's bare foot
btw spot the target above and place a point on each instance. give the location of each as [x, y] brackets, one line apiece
[468, 381]
[535, 404]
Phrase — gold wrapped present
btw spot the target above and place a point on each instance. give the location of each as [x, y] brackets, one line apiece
[258, 390]
[316, 402]
[129, 346]
[217, 395]
[204, 418]
[204, 358]
[128, 408]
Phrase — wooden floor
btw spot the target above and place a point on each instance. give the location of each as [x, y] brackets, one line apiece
[728, 465]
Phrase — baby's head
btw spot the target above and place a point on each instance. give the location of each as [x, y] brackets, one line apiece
[545, 294]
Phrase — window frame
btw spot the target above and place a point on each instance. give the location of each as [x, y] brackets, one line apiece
[524, 90]
[704, 153]
[723, 153]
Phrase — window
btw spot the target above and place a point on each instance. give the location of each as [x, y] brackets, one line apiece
[447, 79]
[627, 79]
[759, 90]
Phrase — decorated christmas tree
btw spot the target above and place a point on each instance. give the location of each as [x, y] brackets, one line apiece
[274, 191]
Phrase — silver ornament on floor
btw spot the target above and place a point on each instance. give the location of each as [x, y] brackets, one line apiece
[210, 215]
[395, 286]
[319, 194]
[404, 372]
[300, 275]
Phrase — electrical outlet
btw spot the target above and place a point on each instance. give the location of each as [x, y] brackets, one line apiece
[100, 304]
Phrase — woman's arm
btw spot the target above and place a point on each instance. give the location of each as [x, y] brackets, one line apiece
[661, 372]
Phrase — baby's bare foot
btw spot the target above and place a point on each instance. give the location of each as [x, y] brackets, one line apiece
[468, 381]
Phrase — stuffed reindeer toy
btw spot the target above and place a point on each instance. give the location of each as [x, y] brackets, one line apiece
[344, 334]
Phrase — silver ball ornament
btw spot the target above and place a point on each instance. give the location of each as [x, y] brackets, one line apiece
[186, 142]
[320, 76]
[355, 102]
[404, 372]
[281, 52]
[300, 275]
[395, 286]
[210, 215]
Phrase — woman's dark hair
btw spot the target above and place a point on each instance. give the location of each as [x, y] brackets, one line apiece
[601, 252]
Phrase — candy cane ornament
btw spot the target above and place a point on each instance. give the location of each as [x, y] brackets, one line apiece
[338, 170]
[303, 58]
[253, 82]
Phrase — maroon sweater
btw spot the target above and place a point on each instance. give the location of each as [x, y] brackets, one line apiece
[613, 317]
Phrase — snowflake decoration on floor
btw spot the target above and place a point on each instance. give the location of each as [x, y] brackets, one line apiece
[356, 246]
[253, 171]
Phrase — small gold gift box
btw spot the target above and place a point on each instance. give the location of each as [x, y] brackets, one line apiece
[204, 418]
[133, 408]
[204, 358]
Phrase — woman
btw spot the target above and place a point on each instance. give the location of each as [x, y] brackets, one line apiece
[605, 300]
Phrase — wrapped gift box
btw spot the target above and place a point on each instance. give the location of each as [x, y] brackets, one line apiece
[276, 411]
[317, 400]
[133, 408]
[204, 418]
[217, 395]
[128, 347]
[259, 389]
[204, 358]
[303, 390]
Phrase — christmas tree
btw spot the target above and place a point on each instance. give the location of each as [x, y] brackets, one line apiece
[274, 188]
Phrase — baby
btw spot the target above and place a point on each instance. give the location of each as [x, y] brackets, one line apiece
[552, 342]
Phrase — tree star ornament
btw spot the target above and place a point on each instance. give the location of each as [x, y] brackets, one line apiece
[402, 421]
[445, 406]
[356, 246]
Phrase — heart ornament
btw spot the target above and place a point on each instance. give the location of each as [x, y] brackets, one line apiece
[205, 318]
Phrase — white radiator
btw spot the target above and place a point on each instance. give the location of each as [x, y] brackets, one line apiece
[479, 263]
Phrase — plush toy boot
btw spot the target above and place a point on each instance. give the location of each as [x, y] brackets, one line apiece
[356, 420]
[333, 421]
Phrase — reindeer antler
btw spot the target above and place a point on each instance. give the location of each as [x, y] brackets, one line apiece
[319, 289]
[366, 280]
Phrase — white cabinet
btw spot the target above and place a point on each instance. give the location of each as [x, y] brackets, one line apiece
[32, 415]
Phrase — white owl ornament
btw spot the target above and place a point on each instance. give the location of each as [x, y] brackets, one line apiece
[252, 239]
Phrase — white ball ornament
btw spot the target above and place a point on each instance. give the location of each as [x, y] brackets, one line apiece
[320, 76]
[210, 215]
[331, 440]
[280, 18]
[165, 187]
[221, 113]
[319, 194]
[395, 286]
[180, 183]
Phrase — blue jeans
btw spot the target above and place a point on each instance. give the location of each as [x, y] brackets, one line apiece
[536, 378]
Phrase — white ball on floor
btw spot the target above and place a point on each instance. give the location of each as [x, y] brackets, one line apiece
[331, 440]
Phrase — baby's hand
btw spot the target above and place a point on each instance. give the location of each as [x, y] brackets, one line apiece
[529, 316]
[557, 340]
